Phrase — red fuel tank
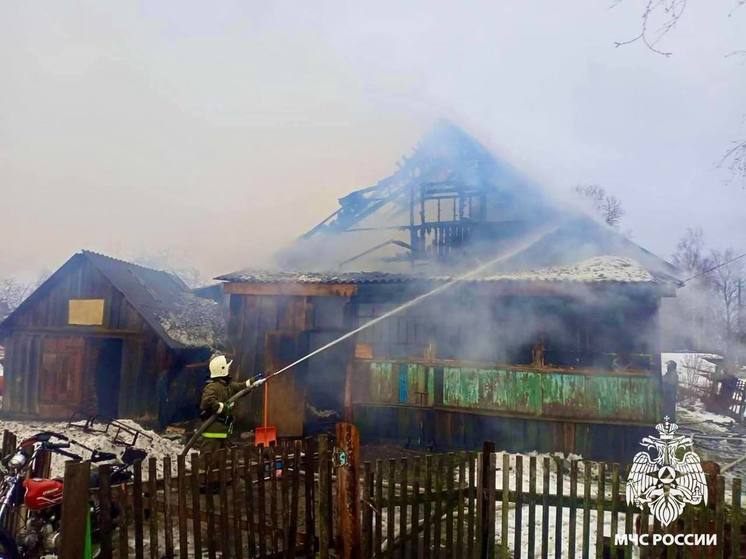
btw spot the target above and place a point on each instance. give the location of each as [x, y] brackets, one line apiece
[42, 493]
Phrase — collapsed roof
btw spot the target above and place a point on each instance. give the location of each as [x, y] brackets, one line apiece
[371, 230]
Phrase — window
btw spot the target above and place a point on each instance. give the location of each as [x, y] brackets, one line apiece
[85, 312]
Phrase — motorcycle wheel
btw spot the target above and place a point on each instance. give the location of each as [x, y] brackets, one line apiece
[8, 549]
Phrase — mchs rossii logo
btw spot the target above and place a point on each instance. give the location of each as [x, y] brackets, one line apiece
[665, 479]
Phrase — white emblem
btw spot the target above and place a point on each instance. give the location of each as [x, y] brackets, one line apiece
[671, 480]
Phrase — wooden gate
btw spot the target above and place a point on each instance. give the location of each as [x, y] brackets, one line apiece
[61, 375]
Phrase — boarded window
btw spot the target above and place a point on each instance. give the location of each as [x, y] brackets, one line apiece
[86, 312]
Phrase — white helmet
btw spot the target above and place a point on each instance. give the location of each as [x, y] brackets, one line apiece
[219, 366]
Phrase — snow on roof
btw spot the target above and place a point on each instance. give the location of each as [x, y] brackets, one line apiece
[592, 270]
[165, 302]
[194, 322]
[596, 269]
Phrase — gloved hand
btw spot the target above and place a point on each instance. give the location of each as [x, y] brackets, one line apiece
[225, 407]
[255, 380]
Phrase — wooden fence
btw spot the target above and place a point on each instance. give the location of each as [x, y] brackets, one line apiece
[306, 499]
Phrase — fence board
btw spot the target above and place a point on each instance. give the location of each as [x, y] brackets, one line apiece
[248, 474]
[573, 513]
[720, 515]
[461, 504]
[294, 498]
[586, 509]
[105, 502]
[285, 498]
[126, 519]
[531, 506]
[415, 539]
[629, 517]
[518, 523]
[487, 475]
[273, 501]
[261, 500]
[196, 463]
[403, 510]
[367, 521]
[558, 508]
[378, 542]
[505, 508]
[614, 506]
[237, 501]
[438, 507]
[391, 508]
[325, 498]
[210, 485]
[644, 529]
[735, 525]
[153, 507]
[472, 505]
[74, 509]
[309, 497]
[545, 508]
[137, 509]
[426, 530]
[600, 497]
[167, 518]
[451, 503]
[181, 489]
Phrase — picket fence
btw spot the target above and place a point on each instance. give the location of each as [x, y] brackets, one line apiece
[289, 501]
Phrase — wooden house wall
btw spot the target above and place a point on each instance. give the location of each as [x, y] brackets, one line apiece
[79, 280]
[46, 317]
[267, 332]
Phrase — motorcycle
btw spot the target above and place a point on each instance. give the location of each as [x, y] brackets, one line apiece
[38, 534]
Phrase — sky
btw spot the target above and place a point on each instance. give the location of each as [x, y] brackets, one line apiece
[212, 134]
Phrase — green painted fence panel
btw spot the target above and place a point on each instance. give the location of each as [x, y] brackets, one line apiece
[518, 391]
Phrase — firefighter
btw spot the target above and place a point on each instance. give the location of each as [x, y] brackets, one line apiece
[215, 397]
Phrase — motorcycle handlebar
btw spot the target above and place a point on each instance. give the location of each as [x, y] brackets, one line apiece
[52, 446]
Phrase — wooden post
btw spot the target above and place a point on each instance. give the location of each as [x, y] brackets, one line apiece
[348, 492]
[486, 502]
[325, 497]
[348, 395]
[75, 509]
[105, 520]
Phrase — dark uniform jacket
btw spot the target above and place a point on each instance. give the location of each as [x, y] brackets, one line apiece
[216, 392]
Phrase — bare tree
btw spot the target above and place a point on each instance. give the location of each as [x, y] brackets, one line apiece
[12, 294]
[690, 256]
[607, 206]
[659, 17]
[726, 280]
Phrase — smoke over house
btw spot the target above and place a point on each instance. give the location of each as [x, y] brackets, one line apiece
[555, 348]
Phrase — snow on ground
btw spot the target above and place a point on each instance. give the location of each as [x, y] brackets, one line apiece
[716, 437]
[526, 529]
[156, 445]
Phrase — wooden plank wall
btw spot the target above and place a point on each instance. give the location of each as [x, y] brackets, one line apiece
[46, 315]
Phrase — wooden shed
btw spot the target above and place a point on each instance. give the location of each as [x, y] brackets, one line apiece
[96, 335]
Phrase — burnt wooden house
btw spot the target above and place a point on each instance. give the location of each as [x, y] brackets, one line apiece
[96, 336]
[563, 358]
[553, 347]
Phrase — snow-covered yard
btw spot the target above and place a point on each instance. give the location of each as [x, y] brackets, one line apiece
[156, 445]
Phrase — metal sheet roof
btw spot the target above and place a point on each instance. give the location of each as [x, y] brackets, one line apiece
[593, 270]
[177, 315]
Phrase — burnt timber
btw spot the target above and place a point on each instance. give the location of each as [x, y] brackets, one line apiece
[589, 384]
